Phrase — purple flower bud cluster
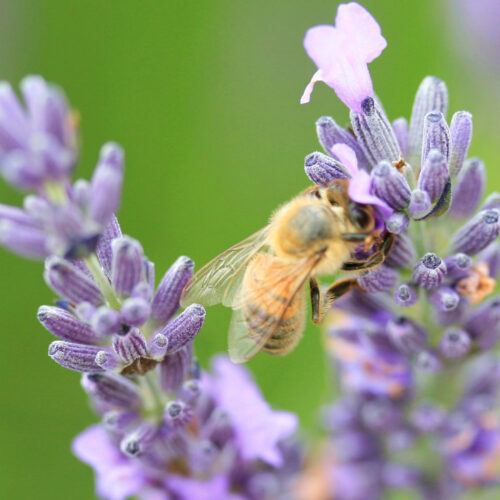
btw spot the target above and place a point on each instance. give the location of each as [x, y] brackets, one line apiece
[421, 317]
[38, 153]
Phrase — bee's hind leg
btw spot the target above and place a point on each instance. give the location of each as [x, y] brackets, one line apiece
[321, 301]
[374, 260]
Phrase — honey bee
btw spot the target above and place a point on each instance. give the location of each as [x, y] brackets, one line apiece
[263, 278]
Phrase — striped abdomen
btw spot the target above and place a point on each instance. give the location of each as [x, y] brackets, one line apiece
[273, 303]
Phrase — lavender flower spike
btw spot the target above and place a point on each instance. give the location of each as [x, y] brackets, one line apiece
[469, 188]
[342, 52]
[432, 95]
[477, 234]
[322, 169]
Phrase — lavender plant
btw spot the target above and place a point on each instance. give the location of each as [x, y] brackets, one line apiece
[413, 346]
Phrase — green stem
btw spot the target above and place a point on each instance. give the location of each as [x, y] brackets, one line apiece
[150, 382]
[102, 281]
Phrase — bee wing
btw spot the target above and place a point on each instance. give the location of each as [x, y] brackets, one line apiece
[219, 280]
[291, 280]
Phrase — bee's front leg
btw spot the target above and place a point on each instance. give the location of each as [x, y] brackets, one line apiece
[374, 260]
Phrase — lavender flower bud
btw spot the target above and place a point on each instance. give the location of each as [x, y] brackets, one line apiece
[379, 415]
[166, 300]
[405, 295]
[381, 279]
[78, 357]
[374, 133]
[135, 311]
[190, 391]
[483, 324]
[444, 298]
[71, 283]
[493, 201]
[23, 239]
[103, 250]
[427, 361]
[322, 169]
[397, 223]
[112, 390]
[469, 188]
[420, 204]
[142, 291]
[458, 265]
[402, 253]
[431, 95]
[177, 414]
[428, 418]
[64, 325]
[329, 134]
[81, 193]
[407, 336]
[106, 184]
[429, 272]
[491, 256]
[477, 233]
[106, 321]
[184, 328]
[120, 421]
[158, 347]
[434, 175]
[391, 186]
[436, 136]
[126, 268]
[108, 360]
[454, 343]
[174, 369]
[450, 317]
[461, 135]
[131, 346]
[400, 127]
[139, 440]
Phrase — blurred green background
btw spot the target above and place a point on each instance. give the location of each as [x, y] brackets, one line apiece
[203, 95]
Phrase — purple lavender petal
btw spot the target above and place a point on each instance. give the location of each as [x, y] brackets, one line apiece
[429, 272]
[408, 336]
[402, 253]
[397, 223]
[483, 324]
[461, 135]
[454, 343]
[444, 298]
[477, 233]
[184, 328]
[174, 369]
[24, 240]
[106, 321]
[390, 185]
[381, 279]
[458, 265]
[420, 204]
[428, 361]
[70, 283]
[329, 134]
[400, 127]
[126, 267]
[78, 357]
[112, 390]
[436, 136]
[374, 133]
[322, 169]
[493, 201]
[158, 347]
[108, 361]
[405, 295]
[103, 250]
[106, 184]
[64, 325]
[177, 414]
[130, 346]
[166, 300]
[434, 175]
[469, 188]
[431, 95]
[135, 311]
[139, 440]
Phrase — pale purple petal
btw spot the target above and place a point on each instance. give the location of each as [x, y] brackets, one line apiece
[359, 190]
[117, 478]
[258, 428]
[186, 488]
[341, 54]
[347, 157]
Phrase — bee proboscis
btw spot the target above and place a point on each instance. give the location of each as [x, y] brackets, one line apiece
[263, 278]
